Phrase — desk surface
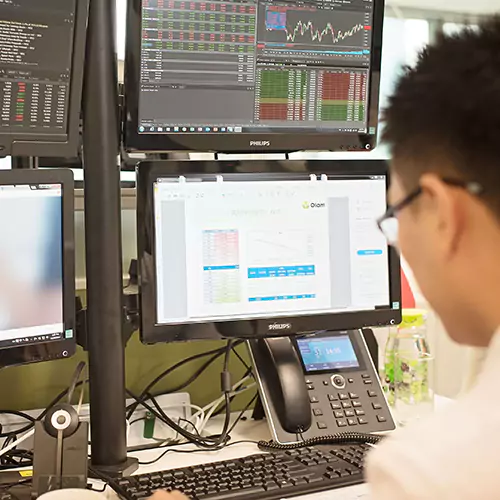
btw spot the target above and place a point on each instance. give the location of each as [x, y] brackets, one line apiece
[245, 430]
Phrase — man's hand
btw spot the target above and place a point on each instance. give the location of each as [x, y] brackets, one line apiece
[163, 495]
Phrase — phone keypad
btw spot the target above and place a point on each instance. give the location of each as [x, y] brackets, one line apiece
[346, 407]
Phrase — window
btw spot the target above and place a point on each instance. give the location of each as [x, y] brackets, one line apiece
[5, 163]
[454, 28]
[121, 28]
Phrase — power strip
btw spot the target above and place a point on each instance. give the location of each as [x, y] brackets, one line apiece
[176, 406]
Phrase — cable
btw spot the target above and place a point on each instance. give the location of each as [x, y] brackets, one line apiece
[240, 416]
[74, 380]
[212, 407]
[23, 429]
[151, 462]
[17, 442]
[143, 396]
[112, 483]
[243, 362]
[28, 430]
[341, 438]
[226, 388]
[160, 414]
[245, 376]
[209, 442]
[58, 398]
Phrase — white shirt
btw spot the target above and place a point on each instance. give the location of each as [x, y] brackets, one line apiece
[453, 455]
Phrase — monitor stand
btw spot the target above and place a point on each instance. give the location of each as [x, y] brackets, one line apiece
[24, 162]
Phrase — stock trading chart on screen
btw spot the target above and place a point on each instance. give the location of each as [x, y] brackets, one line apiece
[242, 65]
[36, 44]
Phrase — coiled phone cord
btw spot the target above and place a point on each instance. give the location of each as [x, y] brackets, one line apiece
[341, 438]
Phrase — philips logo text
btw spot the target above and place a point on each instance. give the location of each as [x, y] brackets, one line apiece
[260, 143]
[280, 326]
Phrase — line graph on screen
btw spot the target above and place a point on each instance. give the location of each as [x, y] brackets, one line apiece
[319, 28]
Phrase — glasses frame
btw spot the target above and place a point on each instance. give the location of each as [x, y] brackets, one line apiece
[472, 188]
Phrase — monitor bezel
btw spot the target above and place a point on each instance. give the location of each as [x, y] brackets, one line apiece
[254, 142]
[152, 332]
[45, 351]
[61, 144]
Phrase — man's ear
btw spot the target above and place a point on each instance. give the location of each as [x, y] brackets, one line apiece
[445, 214]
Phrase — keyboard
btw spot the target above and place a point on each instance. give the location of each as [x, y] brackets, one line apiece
[264, 476]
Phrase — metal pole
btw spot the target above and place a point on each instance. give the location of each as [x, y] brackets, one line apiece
[103, 244]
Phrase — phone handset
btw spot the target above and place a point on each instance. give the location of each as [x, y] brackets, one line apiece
[284, 377]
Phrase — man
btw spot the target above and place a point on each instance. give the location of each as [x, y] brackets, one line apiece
[443, 124]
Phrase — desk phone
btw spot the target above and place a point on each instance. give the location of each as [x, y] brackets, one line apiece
[319, 385]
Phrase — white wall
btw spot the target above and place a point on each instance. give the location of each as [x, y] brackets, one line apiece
[464, 6]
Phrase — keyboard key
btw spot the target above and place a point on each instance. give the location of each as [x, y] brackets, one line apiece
[359, 413]
[356, 404]
[372, 394]
[349, 413]
[314, 399]
[350, 380]
[326, 382]
[310, 387]
[365, 375]
[367, 381]
[381, 418]
[335, 406]
[317, 412]
[332, 475]
[343, 396]
[362, 420]
[351, 421]
[346, 404]
[322, 425]
[271, 486]
[314, 479]
[354, 471]
[376, 406]
[339, 414]
[341, 423]
[332, 397]
[353, 395]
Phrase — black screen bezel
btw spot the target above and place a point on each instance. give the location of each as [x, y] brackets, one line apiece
[151, 332]
[59, 144]
[355, 346]
[231, 143]
[46, 351]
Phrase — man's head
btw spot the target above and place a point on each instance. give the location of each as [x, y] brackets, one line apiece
[443, 122]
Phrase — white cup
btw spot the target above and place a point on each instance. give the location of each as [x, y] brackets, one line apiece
[71, 494]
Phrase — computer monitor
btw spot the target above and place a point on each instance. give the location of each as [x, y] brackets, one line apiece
[268, 254]
[37, 271]
[253, 75]
[42, 53]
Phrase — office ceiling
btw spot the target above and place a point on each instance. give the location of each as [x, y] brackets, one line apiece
[464, 6]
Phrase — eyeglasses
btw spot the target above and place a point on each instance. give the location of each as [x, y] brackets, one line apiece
[389, 224]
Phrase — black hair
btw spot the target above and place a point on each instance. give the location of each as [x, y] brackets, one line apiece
[444, 116]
